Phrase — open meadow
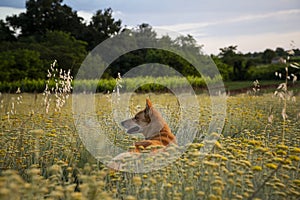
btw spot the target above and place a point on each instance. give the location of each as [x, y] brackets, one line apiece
[256, 157]
[158, 100]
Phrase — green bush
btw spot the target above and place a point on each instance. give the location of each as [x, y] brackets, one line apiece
[265, 72]
[138, 84]
[20, 63]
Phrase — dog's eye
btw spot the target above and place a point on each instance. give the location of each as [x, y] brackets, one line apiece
[136, 117]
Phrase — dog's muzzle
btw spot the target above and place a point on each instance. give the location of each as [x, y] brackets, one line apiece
[131, 128]
[135, 129]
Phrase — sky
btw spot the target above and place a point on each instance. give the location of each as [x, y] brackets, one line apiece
[251, 25]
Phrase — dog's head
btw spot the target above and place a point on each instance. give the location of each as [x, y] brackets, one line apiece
[148, 121]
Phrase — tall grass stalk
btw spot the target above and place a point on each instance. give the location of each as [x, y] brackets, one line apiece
[283, 91]
[62, 87]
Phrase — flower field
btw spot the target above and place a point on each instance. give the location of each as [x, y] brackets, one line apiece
[256, 157]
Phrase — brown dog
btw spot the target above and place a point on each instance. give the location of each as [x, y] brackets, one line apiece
[157, 134]
[150, 123]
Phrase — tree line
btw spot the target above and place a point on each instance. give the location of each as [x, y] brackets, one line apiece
[234, 65]
[50, 30]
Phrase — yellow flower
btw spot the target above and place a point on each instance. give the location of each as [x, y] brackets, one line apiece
[194, 153]
[188, 189]
[231, 181]
[278, 159]
[246, 162]
[37, 132]
[218, 145]
[281, 185]
[224, 158]
[281, 152]
[246, 195]
[261, 149]
[287, 167]
[295, 158]
[54, 169]
[57, 194]
[297, 182]
[254, 142]
[145, 176]
[293, 192]
[201, 193]
[199, 145]
[153, 180]
[271, 166]
[238, 196]
[213, 197]
[217, 190]
[287, 161]
[130, 198]
[33, 171]
[137, 181]
[211, 164]
[256, 168]
[76, 195]
[193, 164]
[51, 135]
[218, 183]
[295, 150]
[280, 193]
[282, 146]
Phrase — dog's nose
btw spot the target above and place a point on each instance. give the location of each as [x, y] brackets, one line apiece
[122, 123]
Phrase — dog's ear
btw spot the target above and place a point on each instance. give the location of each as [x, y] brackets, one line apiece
[148, 107]
[148, 103]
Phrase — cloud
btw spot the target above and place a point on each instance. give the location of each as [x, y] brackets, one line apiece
[252, 25]
[254, 32]
[85, 15]
[14, 3]
[9, 11]
[250, 43]
[118, 15]
[188, 27]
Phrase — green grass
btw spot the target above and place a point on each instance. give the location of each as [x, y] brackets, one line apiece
[266, 86]
[41, 155]
[236, 85]
[103, 86]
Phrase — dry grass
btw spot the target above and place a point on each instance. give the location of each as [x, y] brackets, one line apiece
[41, 155]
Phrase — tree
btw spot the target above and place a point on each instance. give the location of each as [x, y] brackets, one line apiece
[225, 70]
[102, 26]
[32, 59]
[229, 56]
[280, 52]
[5, 33]
[7, 62]
[43, 15]
[19, 64]
[64, 48]
[144, 34]
[49, 15]
[268, 55]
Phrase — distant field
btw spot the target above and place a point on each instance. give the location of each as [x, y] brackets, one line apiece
[237, 87]
[104, 85]
[41, 155]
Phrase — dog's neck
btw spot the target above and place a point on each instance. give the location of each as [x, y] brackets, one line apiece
[164, 135]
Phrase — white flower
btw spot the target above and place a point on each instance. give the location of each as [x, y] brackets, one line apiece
[270, 119]
[283, 114]
[294, 65]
